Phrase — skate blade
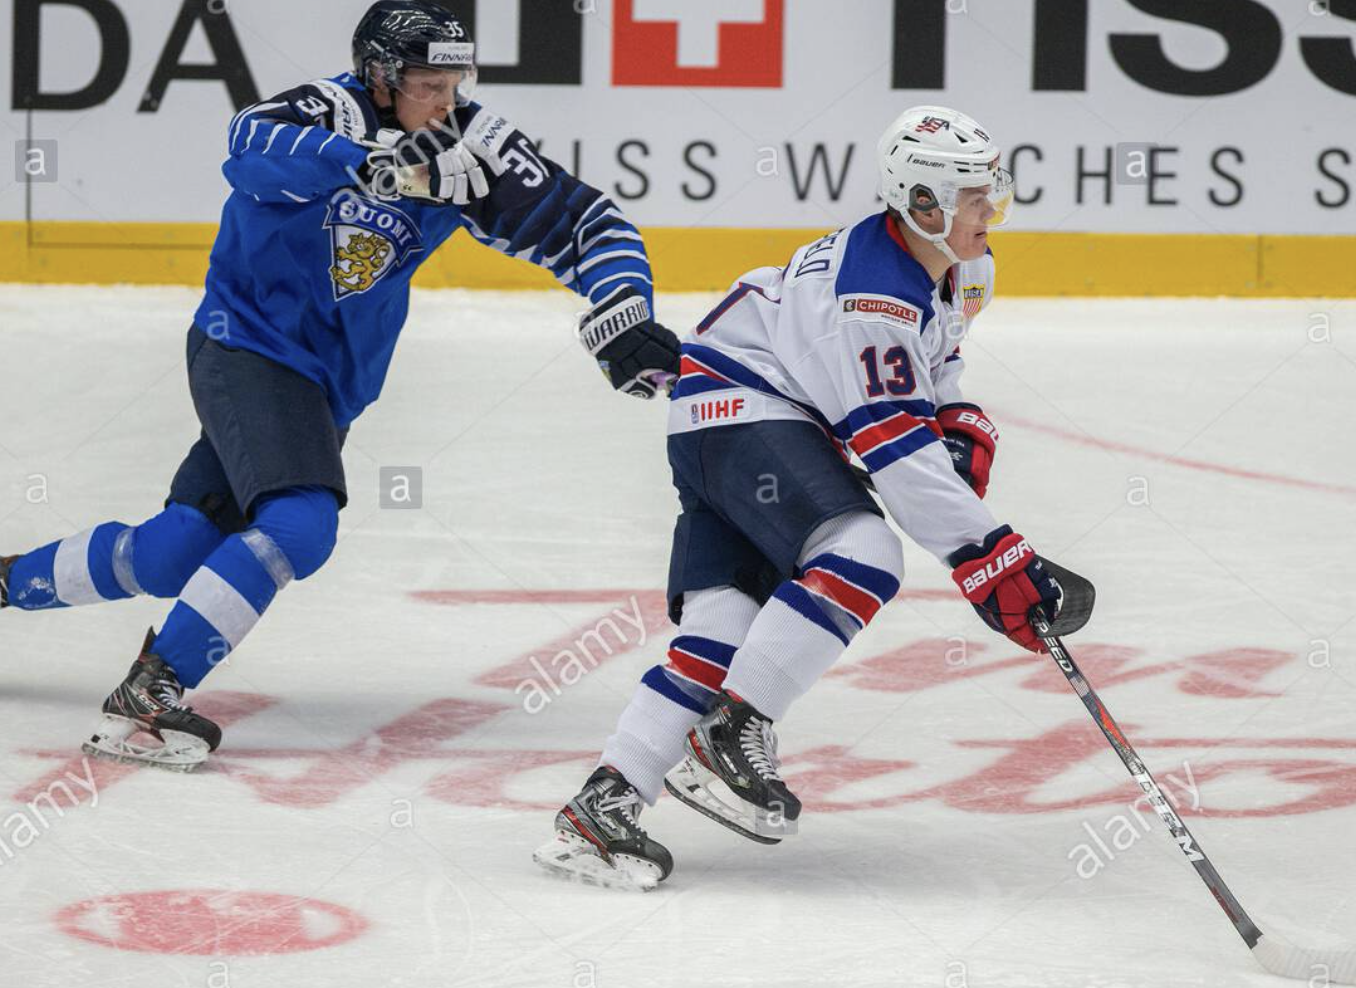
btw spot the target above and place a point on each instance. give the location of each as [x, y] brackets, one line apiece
[573, 858]
[698, 787]
[112, 741]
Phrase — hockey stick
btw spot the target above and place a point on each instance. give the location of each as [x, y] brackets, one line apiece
[1273, 953]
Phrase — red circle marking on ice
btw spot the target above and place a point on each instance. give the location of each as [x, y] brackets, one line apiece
[210, 921]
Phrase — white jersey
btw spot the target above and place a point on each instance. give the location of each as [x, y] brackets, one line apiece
[852, 335]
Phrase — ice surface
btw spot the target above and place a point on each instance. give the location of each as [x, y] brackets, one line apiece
[371, 816]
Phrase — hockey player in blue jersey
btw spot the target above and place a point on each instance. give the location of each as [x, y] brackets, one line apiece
[341, 189]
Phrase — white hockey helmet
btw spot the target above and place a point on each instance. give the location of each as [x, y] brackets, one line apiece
[934, 151]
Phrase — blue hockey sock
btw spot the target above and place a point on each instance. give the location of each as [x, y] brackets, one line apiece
[220, 605]
[293, 534]
[74, 571]
[115, 562]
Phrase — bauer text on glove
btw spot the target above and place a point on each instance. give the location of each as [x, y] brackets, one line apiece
[971, 439]
[1004, 579]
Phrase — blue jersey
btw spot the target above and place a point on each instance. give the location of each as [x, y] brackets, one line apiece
[313, 273]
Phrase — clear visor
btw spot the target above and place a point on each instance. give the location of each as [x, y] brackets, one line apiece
[985, 205]
[438, 87]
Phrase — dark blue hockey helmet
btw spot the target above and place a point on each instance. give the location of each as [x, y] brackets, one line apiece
[396, 35]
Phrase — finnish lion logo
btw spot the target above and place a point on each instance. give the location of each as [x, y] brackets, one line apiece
[367, 240]
[359, 263]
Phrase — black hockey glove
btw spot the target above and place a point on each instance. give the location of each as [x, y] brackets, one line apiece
[637, 355]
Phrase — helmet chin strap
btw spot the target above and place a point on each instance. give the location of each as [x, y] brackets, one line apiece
[937, 240]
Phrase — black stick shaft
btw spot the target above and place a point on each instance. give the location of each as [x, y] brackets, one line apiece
[1243, 923]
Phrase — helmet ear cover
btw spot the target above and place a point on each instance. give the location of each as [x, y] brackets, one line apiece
[922, 199]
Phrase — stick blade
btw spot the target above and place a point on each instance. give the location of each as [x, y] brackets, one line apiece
[1314, 966]
[1079, 598]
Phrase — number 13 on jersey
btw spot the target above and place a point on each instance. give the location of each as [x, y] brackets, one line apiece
[900, 381]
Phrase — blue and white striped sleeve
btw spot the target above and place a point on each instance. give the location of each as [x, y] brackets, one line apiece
[538, 212]
[288, 149]
[611, 252]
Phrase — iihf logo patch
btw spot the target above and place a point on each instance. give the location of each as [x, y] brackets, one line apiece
[367, 239]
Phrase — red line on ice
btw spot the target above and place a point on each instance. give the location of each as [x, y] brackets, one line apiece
[1180, 461]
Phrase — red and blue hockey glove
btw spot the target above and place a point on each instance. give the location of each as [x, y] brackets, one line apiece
[1004, 579]
[636, 354]
[971, 439]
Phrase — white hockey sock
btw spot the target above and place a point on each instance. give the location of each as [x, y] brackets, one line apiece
[671, 698]
[649, 740]
[850, 568]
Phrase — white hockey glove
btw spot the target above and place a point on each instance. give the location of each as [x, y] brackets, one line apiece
[636, 354]
[424, 165]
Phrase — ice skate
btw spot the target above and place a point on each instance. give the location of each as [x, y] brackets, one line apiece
[149, 702]
[599, 841]
[730, 773]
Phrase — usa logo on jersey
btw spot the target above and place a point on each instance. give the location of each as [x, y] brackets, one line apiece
[367, 239]
[972, 300]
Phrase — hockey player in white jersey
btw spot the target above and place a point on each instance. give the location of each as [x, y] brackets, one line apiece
[780, 554]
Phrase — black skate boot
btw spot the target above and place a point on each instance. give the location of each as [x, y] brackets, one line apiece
[150, 701]
[599, 841]
[730, 773]
[5, 563]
